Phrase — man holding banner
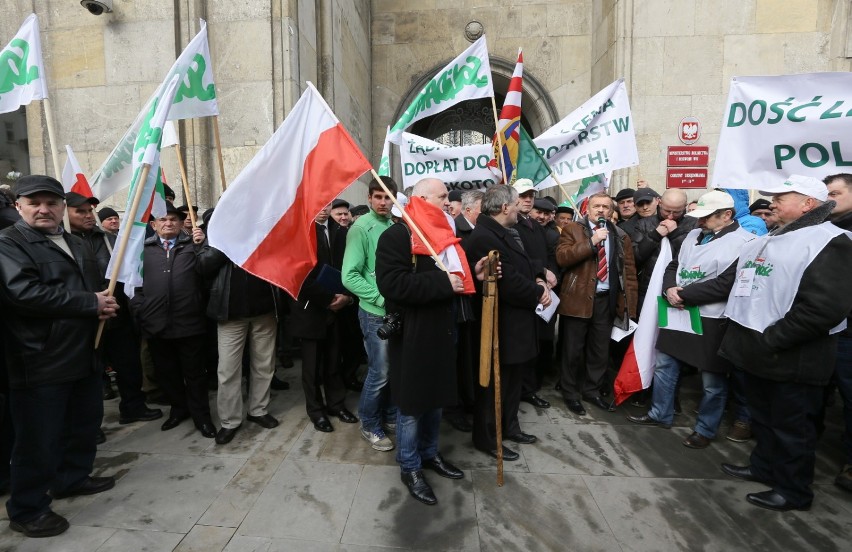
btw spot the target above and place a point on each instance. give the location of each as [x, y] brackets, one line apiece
[785, 311]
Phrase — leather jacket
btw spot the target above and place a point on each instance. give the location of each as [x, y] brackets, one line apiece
[49, 307]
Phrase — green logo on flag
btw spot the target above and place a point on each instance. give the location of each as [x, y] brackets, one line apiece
[196, 88]
[13, 68]
[443, 87]
[147, 134]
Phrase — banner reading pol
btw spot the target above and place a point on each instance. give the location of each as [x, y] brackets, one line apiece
[776, 126]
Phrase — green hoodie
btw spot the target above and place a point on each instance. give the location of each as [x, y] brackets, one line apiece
[359, 261]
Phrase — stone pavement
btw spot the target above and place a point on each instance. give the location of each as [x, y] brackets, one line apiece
[591, 483]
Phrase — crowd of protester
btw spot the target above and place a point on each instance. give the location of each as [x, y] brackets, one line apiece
[394, 316]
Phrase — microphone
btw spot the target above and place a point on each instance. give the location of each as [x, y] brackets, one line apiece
[601, 222]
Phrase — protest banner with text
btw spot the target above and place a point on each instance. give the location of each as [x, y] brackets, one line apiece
[773, 127]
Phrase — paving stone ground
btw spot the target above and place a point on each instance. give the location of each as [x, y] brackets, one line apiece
[591, 483]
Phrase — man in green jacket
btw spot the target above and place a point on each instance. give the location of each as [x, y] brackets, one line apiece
[359, 277]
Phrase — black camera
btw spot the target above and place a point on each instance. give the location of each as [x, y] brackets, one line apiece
[392, 325]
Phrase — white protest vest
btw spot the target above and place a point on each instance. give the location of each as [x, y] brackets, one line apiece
[699, 263]
[780, 262]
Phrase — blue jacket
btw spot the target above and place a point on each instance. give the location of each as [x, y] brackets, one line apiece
[748, 222]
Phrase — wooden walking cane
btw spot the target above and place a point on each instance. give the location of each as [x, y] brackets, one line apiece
[489, 352]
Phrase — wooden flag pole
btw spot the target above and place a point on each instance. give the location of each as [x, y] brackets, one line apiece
[410, 222]
[129, 218]
[186, 193]
[562, 187]
[499, 139]
[219, 151]
[498, 400]
[54, 154]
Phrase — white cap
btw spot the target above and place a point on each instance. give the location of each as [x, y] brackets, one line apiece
[711, 202]
[805, 185]
[523, 185]
[403, 200]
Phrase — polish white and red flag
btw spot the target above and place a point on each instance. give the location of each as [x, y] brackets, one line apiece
[73, 179]
[637, 368]
[264, 222]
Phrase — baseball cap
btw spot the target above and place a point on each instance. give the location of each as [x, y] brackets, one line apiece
[73, 199]
[644, 194]
[805, 185]
[523, 185]
[626, 193]
[35, 183]
[711, 202]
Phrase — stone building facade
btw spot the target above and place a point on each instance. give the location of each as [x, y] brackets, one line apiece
[369, 58]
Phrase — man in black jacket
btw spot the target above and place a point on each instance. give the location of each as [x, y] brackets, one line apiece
[521, 288]
[120, 341]
[791, 297]
[647, 235]
[840, 192]
[314, 320]
[169, 308]
[52, 302]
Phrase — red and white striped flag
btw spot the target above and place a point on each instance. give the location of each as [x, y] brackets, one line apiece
[508, 125]
[637, 368]
[73, 179]
[264, 221]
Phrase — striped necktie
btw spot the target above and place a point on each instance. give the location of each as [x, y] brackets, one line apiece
[602, 271]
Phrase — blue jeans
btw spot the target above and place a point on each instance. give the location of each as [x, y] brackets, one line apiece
[737, 388]
[373, 406]
[417, 439]
[712, 405]
[666, 376]
[843, 369]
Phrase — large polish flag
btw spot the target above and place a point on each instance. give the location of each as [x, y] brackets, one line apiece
[637, 368]
[73, 179]
[264, 221]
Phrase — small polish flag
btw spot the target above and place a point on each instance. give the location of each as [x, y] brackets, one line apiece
[73, 179]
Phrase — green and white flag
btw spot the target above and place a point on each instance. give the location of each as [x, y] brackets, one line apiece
[590, 186]
[195, 97]
[146, 151]
[22, 76]
[384, 162]
[467, 77]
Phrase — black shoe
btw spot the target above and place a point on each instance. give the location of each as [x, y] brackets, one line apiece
[509, 455]
[286, 361]
[418, 487]
[266, 420]
[109, 392]
[226, 435]
[344, 416]
[89, 486]
[206, 429]
[460, 423]
[322, 424]
[647, 420]
[575, 406]
[522, 438]
[49, 524]
[100, 439]
[600, 403]
[774, 501]
[172, 422]
[536, 401]
[443, 468]
[279, 384]
[145, 415]
[743, 472]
